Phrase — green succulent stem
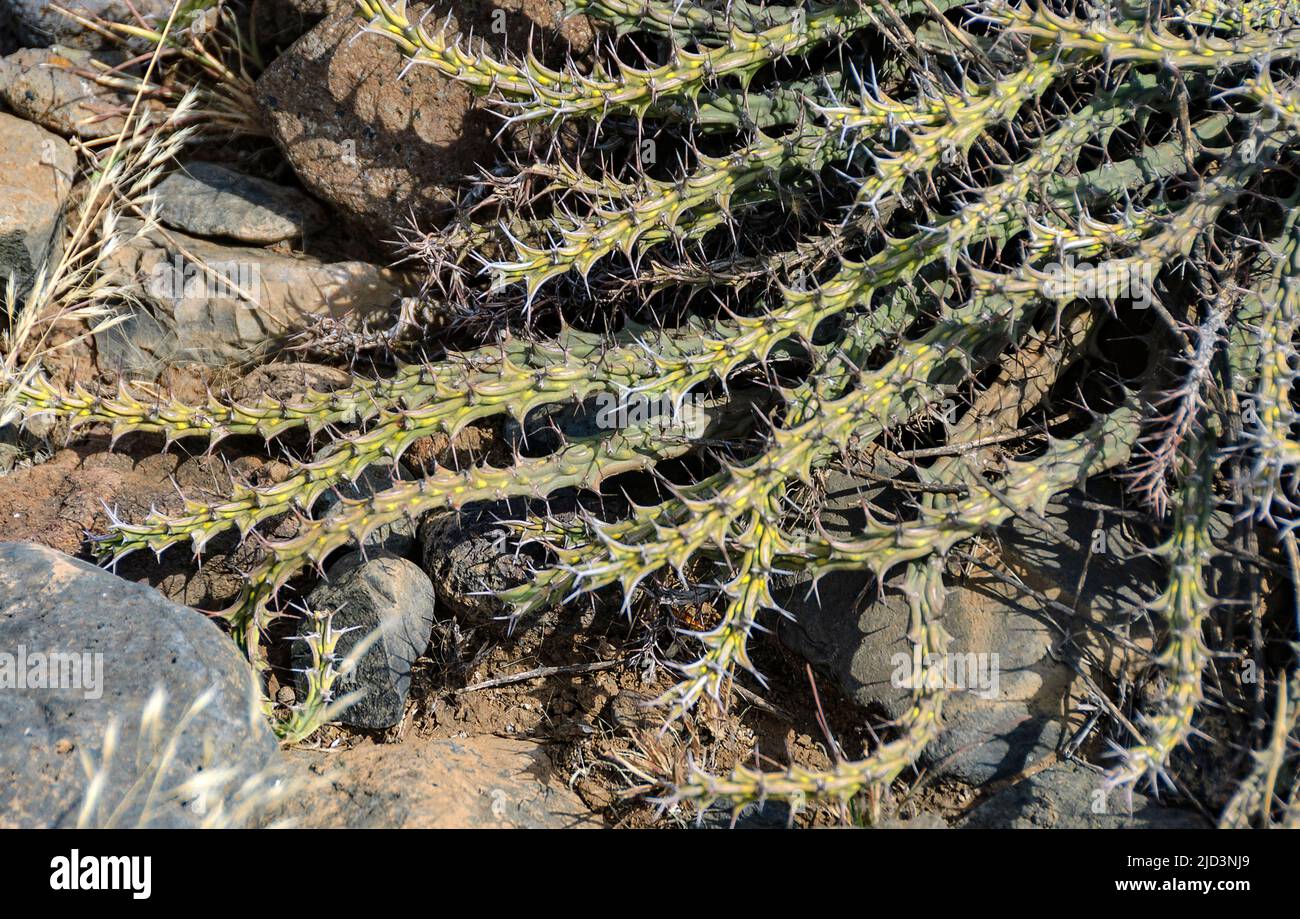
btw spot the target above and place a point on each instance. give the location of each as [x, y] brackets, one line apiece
[916, 729]
[535, 91]
[1147, 45]
[1185, 607]
[1244, 15]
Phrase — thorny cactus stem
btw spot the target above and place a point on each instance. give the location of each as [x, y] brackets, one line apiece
[917, 728]
[536, 91]
[1185, 606]
[1147, 44]
[684, 19]
[1244, 15]
[457, 396]
[1271, 415]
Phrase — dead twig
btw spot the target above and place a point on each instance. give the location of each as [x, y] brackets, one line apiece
[538, 674]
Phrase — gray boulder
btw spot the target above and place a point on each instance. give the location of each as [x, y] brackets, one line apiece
[118, 642]
[1070, 796]
[37, 24]
[36, 174]
[388, 595]
[206, 199]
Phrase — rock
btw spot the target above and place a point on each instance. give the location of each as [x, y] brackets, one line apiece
[378, 144]
[1069, 796]
[470, 564]
[20, 446]
[130, 641]
[470, 446]
[36, 85]
[374, 146]
[288, 381]
[205, 199]
[36, 173]
[396, 538]
[546, 428]
[387, 594]
[1010, 701]
[630, 713]
[467, 562]
[9, 455]
[769, 815]
[39, 25]
[204, 317]
[1003, 716]
[479, 782]
[11, 447]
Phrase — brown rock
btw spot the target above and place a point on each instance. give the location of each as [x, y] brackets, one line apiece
[481, 782]
[246, 304]
[36, 84]
[288, 382]
[379, 146]
[467, 559]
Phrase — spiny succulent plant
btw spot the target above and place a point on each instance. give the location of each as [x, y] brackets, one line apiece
[865, 211]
